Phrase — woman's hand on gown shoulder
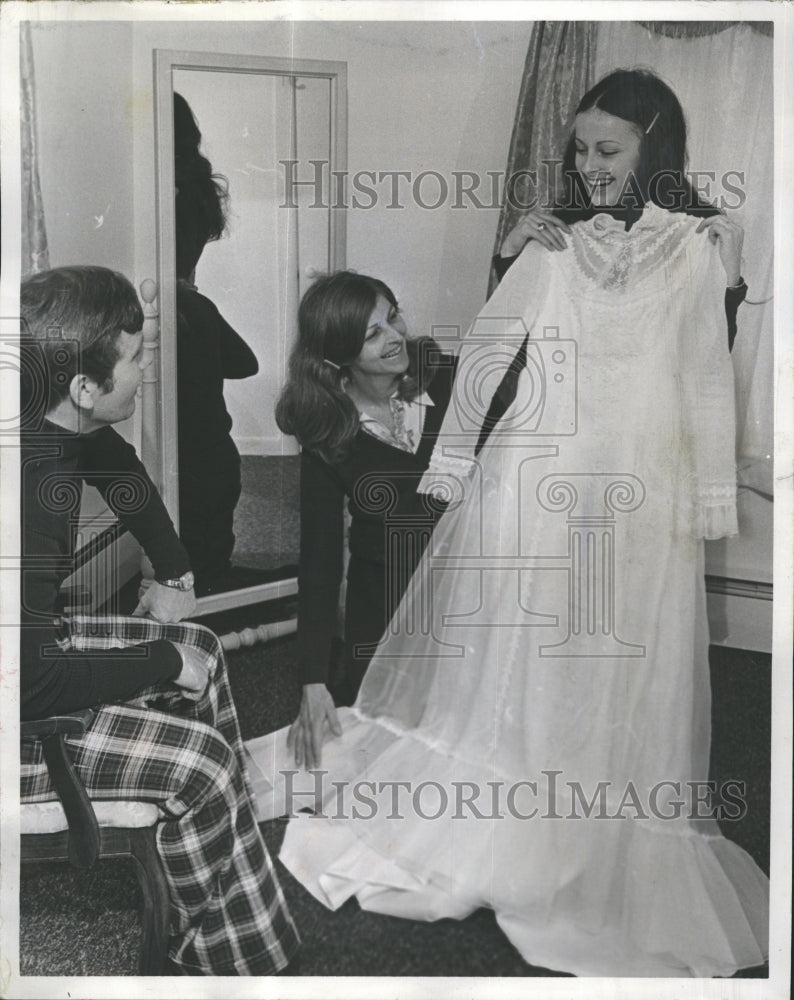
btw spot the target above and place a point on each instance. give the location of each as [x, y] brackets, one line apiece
[307, 732]
[544, 227]
[729, 236]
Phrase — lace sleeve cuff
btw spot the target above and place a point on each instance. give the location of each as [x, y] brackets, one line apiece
[715, 516]
[446, 476]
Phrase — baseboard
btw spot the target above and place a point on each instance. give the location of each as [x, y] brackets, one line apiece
[739, 613]
[231, 599]
[278, 444]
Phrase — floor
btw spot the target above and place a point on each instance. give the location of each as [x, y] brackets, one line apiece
[86, 924]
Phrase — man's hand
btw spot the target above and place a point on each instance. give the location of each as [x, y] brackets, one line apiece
[307, 732]
[195, 673]
[164, 604]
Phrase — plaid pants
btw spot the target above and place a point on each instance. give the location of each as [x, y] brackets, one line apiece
[228, 913]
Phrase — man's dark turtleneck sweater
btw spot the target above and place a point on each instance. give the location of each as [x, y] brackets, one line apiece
[55, 464]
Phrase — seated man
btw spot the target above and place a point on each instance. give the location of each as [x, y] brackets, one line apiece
[166, 727]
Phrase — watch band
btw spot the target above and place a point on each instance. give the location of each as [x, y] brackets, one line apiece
[184, 582]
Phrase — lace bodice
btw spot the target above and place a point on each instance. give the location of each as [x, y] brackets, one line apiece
[599, 317]
[607, 256]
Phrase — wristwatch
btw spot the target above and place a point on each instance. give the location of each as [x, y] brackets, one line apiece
[184, 582]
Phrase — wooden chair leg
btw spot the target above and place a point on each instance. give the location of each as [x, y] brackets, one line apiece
[156, 902]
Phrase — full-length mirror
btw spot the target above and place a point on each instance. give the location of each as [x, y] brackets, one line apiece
[245, 148]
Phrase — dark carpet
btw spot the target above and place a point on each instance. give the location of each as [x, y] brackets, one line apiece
[266, 518]
[87, 924]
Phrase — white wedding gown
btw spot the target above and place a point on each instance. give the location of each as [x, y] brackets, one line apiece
[543, 690]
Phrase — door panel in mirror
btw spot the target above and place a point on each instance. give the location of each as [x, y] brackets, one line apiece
[256, 117]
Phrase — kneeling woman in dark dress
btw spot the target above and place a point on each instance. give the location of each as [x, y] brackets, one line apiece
[365, 401]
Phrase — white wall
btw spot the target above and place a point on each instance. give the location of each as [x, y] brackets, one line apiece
[86, 119]
[86, 125]
[432, 96]
[438, 96]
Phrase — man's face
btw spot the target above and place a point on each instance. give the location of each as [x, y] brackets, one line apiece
[119, 402]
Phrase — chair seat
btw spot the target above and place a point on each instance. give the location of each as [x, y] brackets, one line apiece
[49, 817]
[96, 830]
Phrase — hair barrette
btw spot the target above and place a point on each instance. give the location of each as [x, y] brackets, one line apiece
[653, 122]
[332, 364]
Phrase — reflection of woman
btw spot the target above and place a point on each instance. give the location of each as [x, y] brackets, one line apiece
[545, 745]
[365, 402]
[209, 351]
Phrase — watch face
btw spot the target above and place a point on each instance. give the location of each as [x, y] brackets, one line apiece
[184, 582]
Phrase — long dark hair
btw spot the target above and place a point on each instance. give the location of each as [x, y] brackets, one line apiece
[332, 324]
[646, 102]
[201, 195]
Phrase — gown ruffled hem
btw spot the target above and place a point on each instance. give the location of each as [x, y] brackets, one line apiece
[598, 896]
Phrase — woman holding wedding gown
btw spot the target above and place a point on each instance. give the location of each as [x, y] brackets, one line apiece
[533, 733]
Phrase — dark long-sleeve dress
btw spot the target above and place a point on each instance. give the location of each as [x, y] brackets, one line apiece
[387, 515]
[209, 351]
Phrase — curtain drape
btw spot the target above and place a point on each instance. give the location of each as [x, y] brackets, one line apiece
[559, 68]
[697, 29]
[557, 71]
[35, 256]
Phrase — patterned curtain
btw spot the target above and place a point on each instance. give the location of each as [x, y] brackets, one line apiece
[35, 256]
[559, 69]
[557, 72]
[697, 29]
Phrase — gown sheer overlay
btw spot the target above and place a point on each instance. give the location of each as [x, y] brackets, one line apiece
[533, 732]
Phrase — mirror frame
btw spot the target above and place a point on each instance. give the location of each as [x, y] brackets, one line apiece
[165, 62]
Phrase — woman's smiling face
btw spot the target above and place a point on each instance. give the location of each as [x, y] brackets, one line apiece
[607, 152]
[383, 351]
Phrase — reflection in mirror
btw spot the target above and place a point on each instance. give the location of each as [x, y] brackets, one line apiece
[246, 247]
